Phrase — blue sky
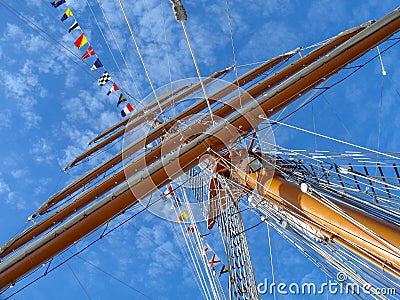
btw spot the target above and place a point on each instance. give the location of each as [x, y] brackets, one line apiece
[52, 107]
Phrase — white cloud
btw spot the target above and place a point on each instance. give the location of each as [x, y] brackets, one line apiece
[19, 173]
[5, 118]
[22, 88]
[4, 187]
[42, 151]
[11, 198]
[12, 31]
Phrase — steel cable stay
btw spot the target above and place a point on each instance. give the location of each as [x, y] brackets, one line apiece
[51, 269]
[147, 16]
[141, 56]
[333, 139]
[77, 280]
[105, 40]
[166, 44]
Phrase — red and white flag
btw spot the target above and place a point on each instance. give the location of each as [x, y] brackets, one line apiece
[89, 52]
[189, 230]
[214, 261]
[113, 89]
[126, 110]
[169, 193]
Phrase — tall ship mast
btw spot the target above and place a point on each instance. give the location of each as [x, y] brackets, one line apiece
[201, 153]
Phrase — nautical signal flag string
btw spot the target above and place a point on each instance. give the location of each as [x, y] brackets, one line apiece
[121, 99]
[80, 42]
[183, 216]
[213, 260]
[97, 65]
[211, 257]
[113, 88]
[68, 13]
[57, 3]
[104, 78]
[74, 26]
[89, 52]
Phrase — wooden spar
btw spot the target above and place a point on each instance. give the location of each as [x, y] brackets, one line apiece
[160, 173]
[329, 235]
[221, 112]
[153, 104]
[246, 78]
[123, 122]
[155, 133]
[118, 178]
[141, 117]
[100, 188]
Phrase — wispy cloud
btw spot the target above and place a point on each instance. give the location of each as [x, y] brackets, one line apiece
[10, 197]
[42, 151]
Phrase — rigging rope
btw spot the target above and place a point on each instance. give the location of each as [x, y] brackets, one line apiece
[195, 262]
[77, 279]
[356, 69]
[167, 49]
[233, 49]
[137, 88]
[329, 204]
[303, 155]
[110, 275]
[180, 16]
[198, 242]
[380, 111]
[198, 71]
[304, 241]
[48, 270]
[270, 256]
[331, 138]
[140, 55]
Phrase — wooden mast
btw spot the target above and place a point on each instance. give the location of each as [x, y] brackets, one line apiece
[161, 172]
[331, 223]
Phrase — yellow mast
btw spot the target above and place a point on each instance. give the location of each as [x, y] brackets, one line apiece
[378, 249]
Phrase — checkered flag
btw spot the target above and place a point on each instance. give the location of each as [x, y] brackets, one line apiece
[104, 78]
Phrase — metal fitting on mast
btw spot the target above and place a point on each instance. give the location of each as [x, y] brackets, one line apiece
[179, 10]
